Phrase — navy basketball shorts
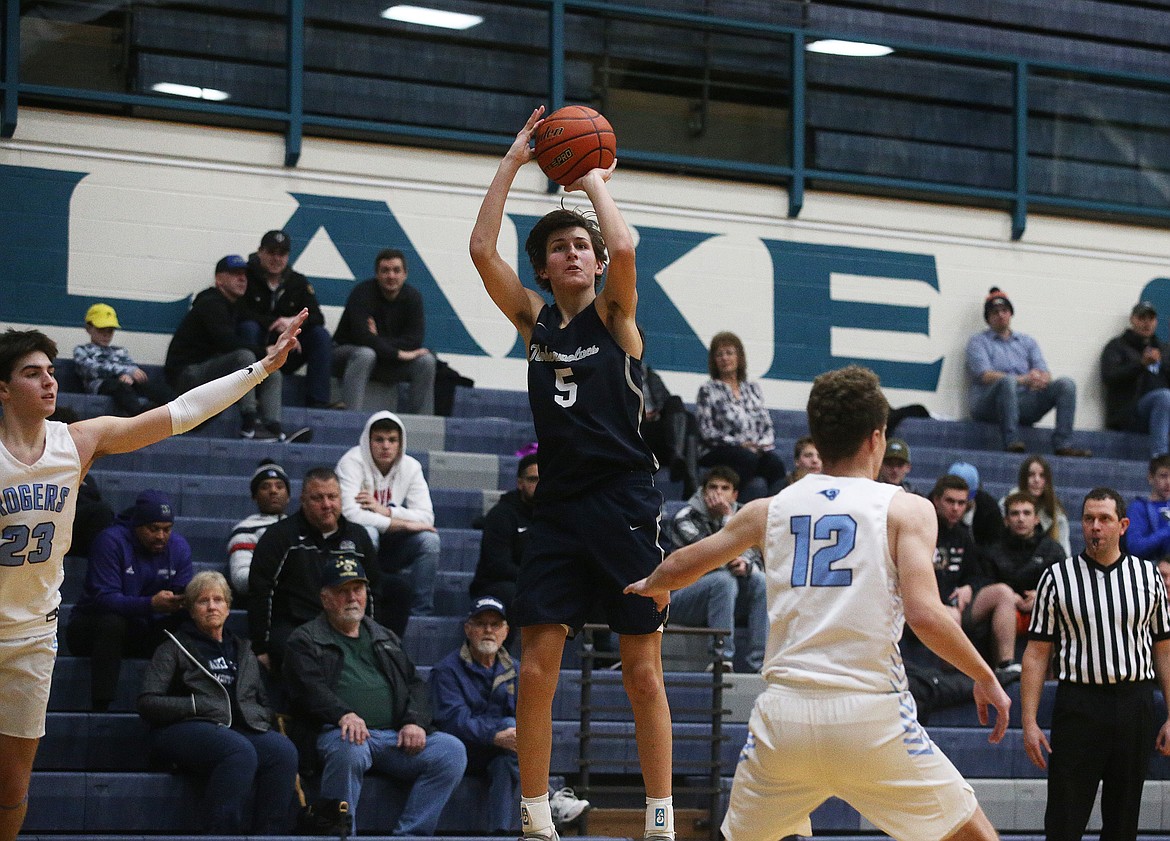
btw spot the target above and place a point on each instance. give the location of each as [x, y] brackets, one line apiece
[582, 552]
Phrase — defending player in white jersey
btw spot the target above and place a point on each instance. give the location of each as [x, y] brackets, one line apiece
[847, 561]
[42, 464]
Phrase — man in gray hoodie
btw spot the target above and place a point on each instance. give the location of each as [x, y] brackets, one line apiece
[384, 490]
[736, 590]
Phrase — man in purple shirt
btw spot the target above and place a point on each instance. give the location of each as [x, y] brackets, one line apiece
[1011, 383]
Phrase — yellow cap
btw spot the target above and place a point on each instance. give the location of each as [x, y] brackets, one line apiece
[102, 315]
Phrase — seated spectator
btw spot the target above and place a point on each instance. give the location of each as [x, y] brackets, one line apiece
[735, 427]
[505, 534]
[735, 591]
[350, 679]
[974, 602]
[380, 336]
[1137, 384]
[474, 694]
[805, 456]
[206, 345]
[805, 460]
[935, 688]
[982, 516]
[1011, 384]
[107, 369]
[1024, 552]
[1035, 479]
[383, 489]
[284, 583]
[133, 590]
[275, 293]
[271, 492]
[203, 696]
[1149, 517]
[1164, 571]
[896, 465]
[671, 432]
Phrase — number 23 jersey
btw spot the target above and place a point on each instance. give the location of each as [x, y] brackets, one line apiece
[37, 506]
[834, 607]
[586, 397]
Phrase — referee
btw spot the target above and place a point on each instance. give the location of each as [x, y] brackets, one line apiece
[1104, 615]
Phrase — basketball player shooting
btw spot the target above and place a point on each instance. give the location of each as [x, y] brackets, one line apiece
[595, 521]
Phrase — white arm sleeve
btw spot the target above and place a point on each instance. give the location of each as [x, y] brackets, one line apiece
[200, 403]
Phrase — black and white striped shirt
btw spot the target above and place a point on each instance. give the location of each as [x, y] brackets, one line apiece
[1103, 620]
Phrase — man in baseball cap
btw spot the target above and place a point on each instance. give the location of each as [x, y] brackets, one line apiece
[350, 680]
[896, 464]
[275, 294]
[474, 690]
[1137, 380]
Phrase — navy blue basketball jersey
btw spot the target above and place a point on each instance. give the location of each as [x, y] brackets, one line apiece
[586, 398]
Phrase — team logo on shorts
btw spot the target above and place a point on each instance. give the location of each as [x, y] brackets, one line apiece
[748, 746]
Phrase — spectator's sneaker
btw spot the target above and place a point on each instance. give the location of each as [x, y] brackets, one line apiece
[265, 431]
[1009, 674]
[728, 666]
[566, 807]
[304, 435]
[250, 427]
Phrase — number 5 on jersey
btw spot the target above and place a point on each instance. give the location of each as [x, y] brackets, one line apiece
[568, 389]
[839, 528]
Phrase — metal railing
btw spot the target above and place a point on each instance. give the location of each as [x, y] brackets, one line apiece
[710, 769]
[796, 170]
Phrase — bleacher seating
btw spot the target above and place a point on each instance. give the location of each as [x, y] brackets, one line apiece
[93, 774]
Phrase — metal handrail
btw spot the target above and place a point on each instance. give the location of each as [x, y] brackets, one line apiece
[711, 766]
[292, 120]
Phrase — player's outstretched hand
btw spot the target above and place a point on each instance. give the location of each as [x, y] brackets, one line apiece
[285, 344]
[521, 150]
[990, 693]
[643, 587]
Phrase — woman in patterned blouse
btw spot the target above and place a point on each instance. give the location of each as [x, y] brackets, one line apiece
[734, 424]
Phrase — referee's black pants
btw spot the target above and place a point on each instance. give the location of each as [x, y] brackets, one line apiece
[1100, 734]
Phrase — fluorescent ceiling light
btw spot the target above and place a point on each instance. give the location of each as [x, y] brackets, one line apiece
[190, 91]
[431, 17]
[849, 48]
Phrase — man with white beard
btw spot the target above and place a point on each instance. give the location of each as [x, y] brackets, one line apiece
[474, 689]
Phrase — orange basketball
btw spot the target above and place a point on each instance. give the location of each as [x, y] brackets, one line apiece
[573, 140]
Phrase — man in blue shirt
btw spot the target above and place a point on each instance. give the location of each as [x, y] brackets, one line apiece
[1011, 383]
[1148, 535]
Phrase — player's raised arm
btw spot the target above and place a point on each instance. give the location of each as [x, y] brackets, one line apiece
[104, 435]
[520, 305]
[690, 563]
[621, 274]
[913, 531]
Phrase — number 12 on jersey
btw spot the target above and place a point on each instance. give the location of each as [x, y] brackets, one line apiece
[841, 529]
